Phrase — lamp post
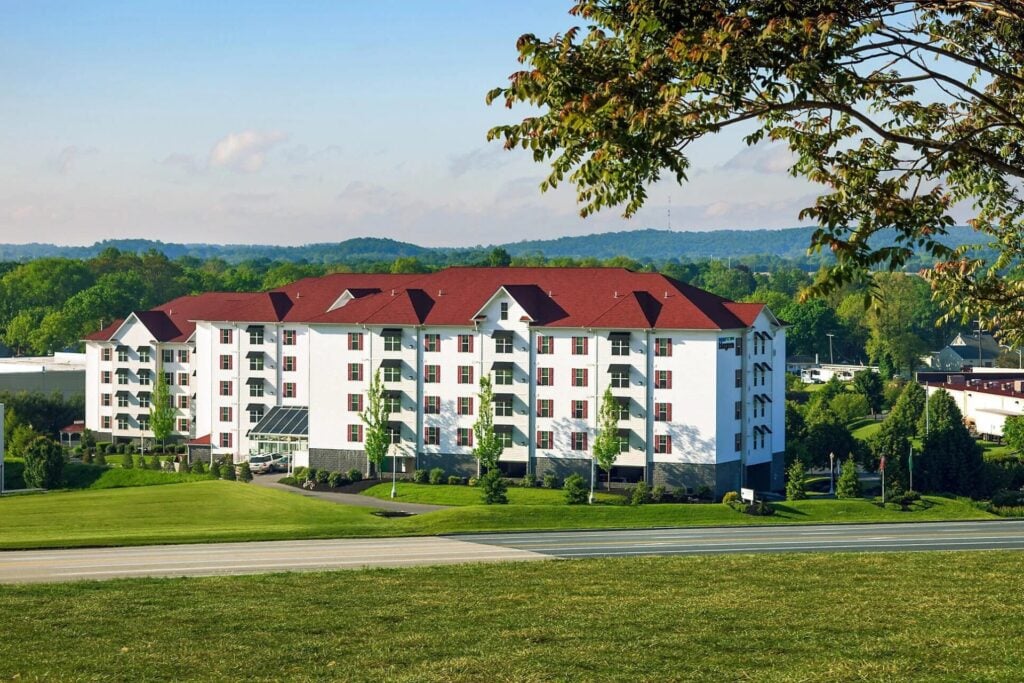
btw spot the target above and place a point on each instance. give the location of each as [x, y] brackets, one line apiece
[910, 466]
[394, 470]
[590, 499]
[830, 335]
[831, 474]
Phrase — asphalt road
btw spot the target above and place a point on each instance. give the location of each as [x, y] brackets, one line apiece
[989, 535]
[276, 556]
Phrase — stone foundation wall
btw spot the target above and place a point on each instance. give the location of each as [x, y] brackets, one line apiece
[338, 460]
[562, 467]
[457, 464]
[673, 475]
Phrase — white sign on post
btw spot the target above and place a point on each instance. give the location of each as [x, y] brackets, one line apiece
[747, 495]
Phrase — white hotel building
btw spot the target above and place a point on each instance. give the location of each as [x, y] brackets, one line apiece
[699, 379]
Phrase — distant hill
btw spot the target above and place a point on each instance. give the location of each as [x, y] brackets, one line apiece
[642, 245]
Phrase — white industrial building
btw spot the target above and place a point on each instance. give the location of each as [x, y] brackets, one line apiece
[985, 398]
[288, 370]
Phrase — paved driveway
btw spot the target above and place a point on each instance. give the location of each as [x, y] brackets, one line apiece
[271, 481]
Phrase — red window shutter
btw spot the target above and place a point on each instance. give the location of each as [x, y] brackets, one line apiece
[668, 348]
[584, 415]
[586, 373]
[668, 412]
[668, 379]
[584, 441]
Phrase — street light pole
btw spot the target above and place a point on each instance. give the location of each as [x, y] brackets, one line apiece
[394, 471]
[910, 467]
[831, 361]
[590, 500]
[831, 473]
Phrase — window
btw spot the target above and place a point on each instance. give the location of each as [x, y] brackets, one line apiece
[104, 399]
[739, 346]
[464, 437]
[392, 403]
[290, 364]
[122, 400]
[544, 377]
[739, 379]
[431, 374]
[620, 344]
[662, 443]
[579, 346]
[122, 355]
[256, 362]
[182, 355]
[503, 377]
[578, 409]
[182, 379]
[122, 423]
[355, 433]
[256, 336]
[225, 389]
[579, 377]
[225, 414]
[579, 441]
[545, 439]
[105, 422]
[256, 390]
[288, 337]
[431, 436]
[465, 405]
[622, 412]
[122, 377]
[144, 377]
[183, 424]
[392, 342]
[465, 343]
[663, 412]
[355, 341]
[225, 439]
[503, 344]
[143, 400]
[105, 354]
[738, 410]
[167, 356]
[620, 379]
[431, 343]
[545, 345]
[391, 374]
[394, 434]
[227, 336]
[465, 374]
[432, 405]
[504, 310]
[289, 390]
[355, 403]
[503, 407]
[183, 402]
[662, 346]
[144, 354]
[662, 379]
[623, 439]
[738, 442]
[504, 437]
[545, 407]
[355, 372]
[105, 377]
[143, 422]
[255, 414]
[169, 379]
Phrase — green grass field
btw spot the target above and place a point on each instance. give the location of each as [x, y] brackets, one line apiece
[797, 617]
[444, 494]
[864, 428]
[206, 511]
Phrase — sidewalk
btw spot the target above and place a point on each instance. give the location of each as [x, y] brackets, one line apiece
[271, 481]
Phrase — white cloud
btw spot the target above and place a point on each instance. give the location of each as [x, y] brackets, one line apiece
[246, 151]
[479, 159]
[767, 158]
[70, 156]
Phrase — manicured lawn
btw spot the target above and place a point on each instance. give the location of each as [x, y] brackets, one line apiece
[995, 451]
[799, 617]
[864, 428]
[444, 494]
[206, 511]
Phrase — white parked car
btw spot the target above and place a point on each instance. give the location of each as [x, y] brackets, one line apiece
[260, 464]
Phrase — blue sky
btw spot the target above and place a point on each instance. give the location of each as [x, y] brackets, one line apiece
[296, 122]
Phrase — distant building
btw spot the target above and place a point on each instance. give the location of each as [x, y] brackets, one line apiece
[63, 372]
[818, 374]
[967, 351]
[985, 399]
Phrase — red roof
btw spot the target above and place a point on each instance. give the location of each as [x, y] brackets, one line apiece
[200, 441]
[606, 298]
[74, 428]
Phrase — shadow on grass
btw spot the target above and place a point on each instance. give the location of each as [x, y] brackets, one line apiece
[782, 508]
